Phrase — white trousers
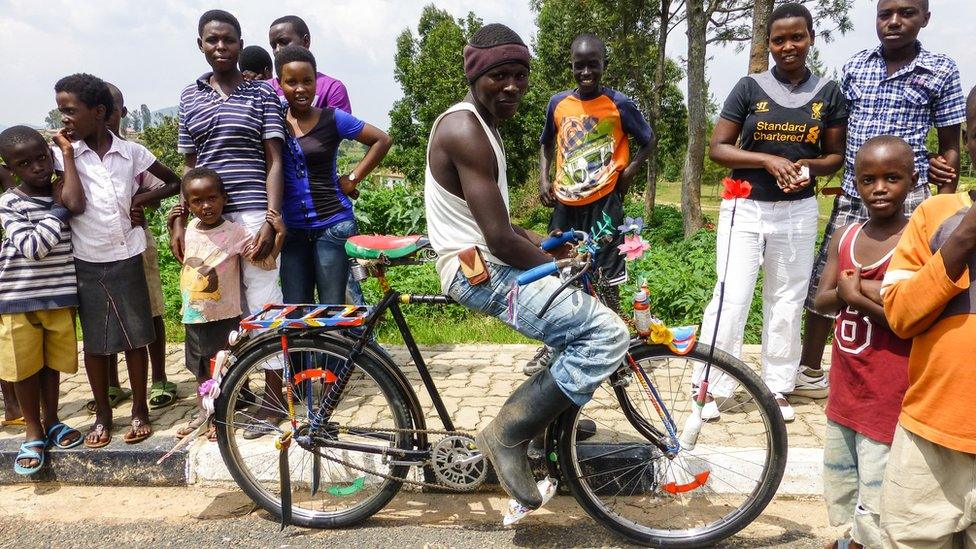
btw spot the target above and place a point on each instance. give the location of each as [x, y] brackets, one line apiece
[780, 238]
[260, 286]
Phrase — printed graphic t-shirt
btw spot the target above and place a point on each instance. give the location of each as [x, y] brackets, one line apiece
[210, 282]
[592, 145]
[312, 196]
[783, 120]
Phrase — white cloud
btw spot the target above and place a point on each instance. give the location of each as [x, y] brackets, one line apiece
[149, 48]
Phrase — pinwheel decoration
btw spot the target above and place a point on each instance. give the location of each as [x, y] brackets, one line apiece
[632, 225]
[633, 247]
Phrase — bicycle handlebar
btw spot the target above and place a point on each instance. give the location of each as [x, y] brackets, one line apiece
[535, 273]
[554, 242]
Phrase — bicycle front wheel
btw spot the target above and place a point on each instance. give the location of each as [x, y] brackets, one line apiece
[343, 477]
[629, 479]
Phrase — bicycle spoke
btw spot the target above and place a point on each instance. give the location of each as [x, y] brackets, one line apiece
[659, 497]
[343, 491]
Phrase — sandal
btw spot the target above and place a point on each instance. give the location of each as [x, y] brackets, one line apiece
[116, 396]
[162, 394]
[133, 436]
[191, 426]
[16, 422]
[58, 432]
[99, 429]
[260, 427]
[27, 452]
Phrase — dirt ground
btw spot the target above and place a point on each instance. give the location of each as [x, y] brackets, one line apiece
[76, 516]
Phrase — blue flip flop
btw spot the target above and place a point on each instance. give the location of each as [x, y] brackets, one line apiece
[57, 432]
[26, 452]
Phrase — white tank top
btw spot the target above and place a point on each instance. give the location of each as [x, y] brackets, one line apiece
[450, 225]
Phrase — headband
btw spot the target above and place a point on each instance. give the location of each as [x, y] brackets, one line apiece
[479, 60]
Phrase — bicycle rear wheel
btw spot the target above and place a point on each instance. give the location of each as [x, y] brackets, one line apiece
[324, 492]
[699, 496]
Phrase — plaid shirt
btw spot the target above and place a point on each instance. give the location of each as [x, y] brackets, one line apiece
[923, 94]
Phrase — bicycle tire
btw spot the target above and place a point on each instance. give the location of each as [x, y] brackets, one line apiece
[227, 441]
[755, 503]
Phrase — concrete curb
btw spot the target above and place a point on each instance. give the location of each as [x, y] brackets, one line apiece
[118, 464]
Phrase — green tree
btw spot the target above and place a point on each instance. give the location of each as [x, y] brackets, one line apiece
[146, 116]
[161, 139]
[637, 67]
[53, 120]
[730, 21]
[429, 67]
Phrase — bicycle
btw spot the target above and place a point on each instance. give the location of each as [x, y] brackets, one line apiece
[356, 430]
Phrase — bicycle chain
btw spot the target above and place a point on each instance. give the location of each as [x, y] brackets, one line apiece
[394, 478]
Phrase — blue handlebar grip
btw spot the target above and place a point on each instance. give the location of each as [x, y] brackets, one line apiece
[535, 273]
[554, 242]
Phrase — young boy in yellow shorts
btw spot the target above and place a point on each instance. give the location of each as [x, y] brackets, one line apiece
[38, 289]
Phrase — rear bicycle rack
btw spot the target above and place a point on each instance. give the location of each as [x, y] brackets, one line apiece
[275, 316]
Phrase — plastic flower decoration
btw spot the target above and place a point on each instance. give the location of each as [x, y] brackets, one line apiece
[632, 225]
[736, 188]
[633, 247]
[205, 387]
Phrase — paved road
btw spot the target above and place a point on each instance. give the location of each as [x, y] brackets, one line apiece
[474, 380]
[56, 516]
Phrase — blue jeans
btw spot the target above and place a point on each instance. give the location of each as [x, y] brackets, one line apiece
[590, 340]
[315, 259]
[854, 467]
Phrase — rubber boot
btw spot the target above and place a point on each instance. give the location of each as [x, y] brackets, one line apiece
[505, 441]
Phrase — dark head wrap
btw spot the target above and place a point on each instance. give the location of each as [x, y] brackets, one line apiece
[491, 46]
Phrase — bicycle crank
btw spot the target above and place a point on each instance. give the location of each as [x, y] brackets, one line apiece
[458, 464]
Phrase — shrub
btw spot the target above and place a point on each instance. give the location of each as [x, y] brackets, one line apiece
[390, 210]
[680, 276]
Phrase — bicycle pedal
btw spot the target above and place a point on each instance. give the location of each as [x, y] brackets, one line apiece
[517, 511]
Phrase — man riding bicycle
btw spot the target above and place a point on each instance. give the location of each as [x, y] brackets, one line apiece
[480, 254]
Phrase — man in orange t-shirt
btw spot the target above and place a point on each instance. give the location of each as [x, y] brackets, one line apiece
[929, 489]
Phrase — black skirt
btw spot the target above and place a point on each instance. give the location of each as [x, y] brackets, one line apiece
[113, 305]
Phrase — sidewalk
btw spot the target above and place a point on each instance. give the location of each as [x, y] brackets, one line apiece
[474, 381]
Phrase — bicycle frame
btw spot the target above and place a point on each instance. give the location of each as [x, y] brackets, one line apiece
[318, 429]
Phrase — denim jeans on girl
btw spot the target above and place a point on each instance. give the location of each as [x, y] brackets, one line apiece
[315, 259]
[590, 340]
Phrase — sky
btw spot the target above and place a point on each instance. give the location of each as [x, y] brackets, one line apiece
[149, 48]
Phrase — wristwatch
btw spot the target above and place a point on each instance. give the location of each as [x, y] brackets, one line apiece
[352, 176]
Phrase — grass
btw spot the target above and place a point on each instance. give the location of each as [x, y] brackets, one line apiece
[468, 328]
[669, 192]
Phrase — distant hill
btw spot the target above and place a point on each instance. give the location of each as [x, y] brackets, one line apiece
[35, 126]
[168, 111]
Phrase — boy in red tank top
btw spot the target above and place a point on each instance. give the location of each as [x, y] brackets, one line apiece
[869, 363]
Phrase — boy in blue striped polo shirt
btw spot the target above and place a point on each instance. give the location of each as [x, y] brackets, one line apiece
[236, 128]
[895, 88]
[38, 289]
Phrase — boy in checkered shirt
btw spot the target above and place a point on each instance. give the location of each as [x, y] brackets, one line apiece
[896, 88]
